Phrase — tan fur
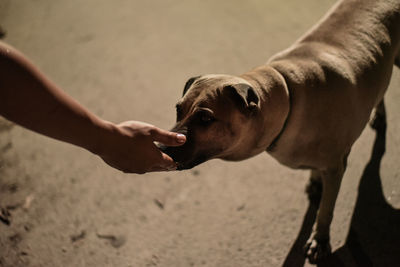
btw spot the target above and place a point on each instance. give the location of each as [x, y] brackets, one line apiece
[338, 74]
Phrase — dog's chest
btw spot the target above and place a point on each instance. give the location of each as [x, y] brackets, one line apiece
[302, 154]
[317, 143]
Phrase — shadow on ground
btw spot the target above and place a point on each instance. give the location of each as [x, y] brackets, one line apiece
[374, 235]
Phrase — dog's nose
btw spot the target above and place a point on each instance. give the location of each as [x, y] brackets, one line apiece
[169, 150]
[177, 153]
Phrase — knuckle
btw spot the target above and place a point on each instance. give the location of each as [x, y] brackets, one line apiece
[152, 130]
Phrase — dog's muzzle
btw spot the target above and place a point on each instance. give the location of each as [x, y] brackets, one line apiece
[182, 157]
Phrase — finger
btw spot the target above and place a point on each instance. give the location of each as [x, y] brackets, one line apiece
[166, 164]
[168, 138]
[161, 159]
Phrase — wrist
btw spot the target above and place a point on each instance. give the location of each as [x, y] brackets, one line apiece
[97, 141]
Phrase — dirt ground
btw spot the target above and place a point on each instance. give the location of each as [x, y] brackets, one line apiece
[129, 60]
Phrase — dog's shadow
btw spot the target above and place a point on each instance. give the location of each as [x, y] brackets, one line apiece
[374, 235]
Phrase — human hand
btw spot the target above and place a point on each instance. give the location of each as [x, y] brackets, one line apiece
[129, 147]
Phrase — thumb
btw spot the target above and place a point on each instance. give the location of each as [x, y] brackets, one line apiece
[168, 138]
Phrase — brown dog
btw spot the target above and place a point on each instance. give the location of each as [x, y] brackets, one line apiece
[306, 106]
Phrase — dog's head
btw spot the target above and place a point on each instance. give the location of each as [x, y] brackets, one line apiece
[214, 114]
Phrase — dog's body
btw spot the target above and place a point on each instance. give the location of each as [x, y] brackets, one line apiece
[306, 106]
[338, 73]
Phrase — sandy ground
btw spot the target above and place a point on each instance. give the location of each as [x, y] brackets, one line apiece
[129, 60]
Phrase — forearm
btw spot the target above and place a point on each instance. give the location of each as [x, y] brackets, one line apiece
[29, 99]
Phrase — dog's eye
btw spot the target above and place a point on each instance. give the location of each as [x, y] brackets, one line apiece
[205, 117]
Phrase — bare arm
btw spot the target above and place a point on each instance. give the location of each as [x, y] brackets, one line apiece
[29, 99]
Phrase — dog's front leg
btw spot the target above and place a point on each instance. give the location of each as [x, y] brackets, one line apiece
[318, 246]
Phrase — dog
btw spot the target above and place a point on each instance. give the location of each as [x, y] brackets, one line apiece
[306, 106]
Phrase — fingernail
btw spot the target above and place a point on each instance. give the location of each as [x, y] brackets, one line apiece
[181, 138]
[158, 144]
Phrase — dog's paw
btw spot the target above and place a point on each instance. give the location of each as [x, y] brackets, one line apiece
[316, 250]
[314, 191]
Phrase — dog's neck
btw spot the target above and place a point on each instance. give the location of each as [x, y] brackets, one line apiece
[274, 106]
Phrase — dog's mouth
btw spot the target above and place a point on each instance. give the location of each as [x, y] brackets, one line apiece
[183, 160]
[183, 155]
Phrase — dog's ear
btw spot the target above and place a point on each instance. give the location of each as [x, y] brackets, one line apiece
[245, 94]
[189, 83]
